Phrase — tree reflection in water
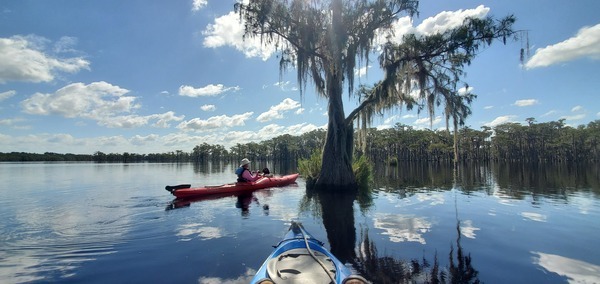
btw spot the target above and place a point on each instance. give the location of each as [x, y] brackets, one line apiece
[387, 269]
[336, 210]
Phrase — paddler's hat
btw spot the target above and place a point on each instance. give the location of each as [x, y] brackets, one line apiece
[245, 162]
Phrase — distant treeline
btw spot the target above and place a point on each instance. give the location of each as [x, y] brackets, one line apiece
[548, 141]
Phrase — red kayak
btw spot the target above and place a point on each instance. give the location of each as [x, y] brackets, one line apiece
[186, 191]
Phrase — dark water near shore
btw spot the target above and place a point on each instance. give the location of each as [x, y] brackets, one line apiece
[115, 223]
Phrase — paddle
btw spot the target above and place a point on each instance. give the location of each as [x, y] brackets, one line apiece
[171, 188]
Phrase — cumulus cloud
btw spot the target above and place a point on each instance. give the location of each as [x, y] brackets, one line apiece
[448, 20]
[267, 132]
[24, 58]
[528, 102]
[7, 94]
[208, 90]
[198, 4]
[277, 111]
[427, 122]
[585, 44]
[95, 100]
[208, 107]
[228, 30]
[100, 101]
[439, 23]
[142, 140]
[215, 122]
[500, 120]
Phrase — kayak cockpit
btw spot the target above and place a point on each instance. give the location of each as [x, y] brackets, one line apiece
[298, 266]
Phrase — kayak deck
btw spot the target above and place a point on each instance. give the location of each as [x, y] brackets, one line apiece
[300, 258]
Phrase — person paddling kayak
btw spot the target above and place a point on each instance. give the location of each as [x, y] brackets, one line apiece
[244, 174]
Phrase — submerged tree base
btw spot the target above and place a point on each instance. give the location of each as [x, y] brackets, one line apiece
[310, 169]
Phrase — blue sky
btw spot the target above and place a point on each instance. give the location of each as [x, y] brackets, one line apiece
[158, 76]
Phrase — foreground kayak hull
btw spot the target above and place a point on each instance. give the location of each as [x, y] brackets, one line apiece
[232, 188]
[292, 262]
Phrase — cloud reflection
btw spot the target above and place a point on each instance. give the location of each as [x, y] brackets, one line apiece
[432, 198]
[402, 228]
[576, 271]
[467, 229]
[188, 231]
[534, 216]
[242, 279]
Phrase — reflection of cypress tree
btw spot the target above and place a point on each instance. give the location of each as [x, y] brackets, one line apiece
[387, 269]
[463, 271]
[338, 218]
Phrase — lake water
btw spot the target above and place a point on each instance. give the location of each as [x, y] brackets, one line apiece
[115, 223]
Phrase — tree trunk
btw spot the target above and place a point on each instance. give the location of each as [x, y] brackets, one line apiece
[336, 168]
[455, 148]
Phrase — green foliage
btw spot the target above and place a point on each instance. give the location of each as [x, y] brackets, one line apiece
[363, 171]
[311, 167]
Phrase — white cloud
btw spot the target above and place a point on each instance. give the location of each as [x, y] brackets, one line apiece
[285, 86]
[586, 43]
[488, 107]
[552, 112]
[162, 120]
[528, 102]
[24, 59]
[500, 120]
[277, 111]
[11, 121]
[448, 20]
[465, 90]
[574, 117]
[208, 107]
[577, 108]
[132, 121]
[228, 30]
[7, 94]
[215, 122]
[427, 122]
[578, 113]
[126, 121]
[208, 90]
[97, 100]
[361, 71]
[142, 140]
[198, 4]
[440, 23]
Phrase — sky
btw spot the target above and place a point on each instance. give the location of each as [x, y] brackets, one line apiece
[145, 76]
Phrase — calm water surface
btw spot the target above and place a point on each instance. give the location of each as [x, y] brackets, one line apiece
[115, 223]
